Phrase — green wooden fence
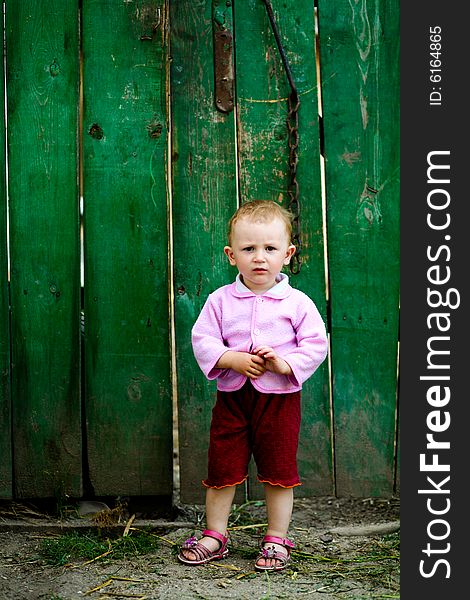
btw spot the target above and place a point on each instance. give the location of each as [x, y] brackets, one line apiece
[114, 101]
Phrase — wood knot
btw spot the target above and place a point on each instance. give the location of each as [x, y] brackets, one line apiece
[96, 132]
[154, 130]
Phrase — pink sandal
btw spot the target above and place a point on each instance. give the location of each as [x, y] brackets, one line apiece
[203, 554]
[271, 552]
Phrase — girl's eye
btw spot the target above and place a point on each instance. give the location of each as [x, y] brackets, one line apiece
[248, 249]
[270, 248]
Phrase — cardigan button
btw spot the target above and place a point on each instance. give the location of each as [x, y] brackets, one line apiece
[256, 331]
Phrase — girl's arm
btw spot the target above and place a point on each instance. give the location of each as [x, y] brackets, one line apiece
[312, 342]
[206, 337]
[210, 351]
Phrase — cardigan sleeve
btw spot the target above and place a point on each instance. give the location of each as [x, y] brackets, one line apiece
[206, 338]
[312, 343]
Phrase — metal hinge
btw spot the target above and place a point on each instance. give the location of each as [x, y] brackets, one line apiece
[223, 55]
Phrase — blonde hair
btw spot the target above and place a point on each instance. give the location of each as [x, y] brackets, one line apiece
[261, 210]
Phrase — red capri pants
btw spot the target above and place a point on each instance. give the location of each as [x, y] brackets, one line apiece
[248, 422]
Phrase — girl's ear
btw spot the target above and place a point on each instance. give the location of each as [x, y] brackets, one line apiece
[229, 252]
[289, 254]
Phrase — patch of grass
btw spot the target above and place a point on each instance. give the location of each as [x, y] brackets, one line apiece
[387, 547]
[243, 514]
[377, 563]
[391, 541]
[72, 546]
[75, 546]
[267, 596]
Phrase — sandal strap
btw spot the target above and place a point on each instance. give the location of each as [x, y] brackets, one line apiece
[223, 539]
[201, 552]
[277, 540]
[270, 552]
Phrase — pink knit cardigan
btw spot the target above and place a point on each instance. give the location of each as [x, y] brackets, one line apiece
[235, 318]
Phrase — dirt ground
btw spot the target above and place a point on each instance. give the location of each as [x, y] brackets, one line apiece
[329, 562]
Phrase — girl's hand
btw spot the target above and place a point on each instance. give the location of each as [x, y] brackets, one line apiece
[247, 364]
[274, 362]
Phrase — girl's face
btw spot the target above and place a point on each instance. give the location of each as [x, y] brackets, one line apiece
[259, 250]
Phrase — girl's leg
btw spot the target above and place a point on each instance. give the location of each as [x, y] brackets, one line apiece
[279, 504]
[218, 506]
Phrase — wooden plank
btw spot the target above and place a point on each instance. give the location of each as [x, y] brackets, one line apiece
[204, 198]
[359, 64]
[5, 400]
[127, 359]
[262, 91]
[43, 83]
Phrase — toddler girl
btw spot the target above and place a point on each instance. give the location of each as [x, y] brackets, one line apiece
[261, 339]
